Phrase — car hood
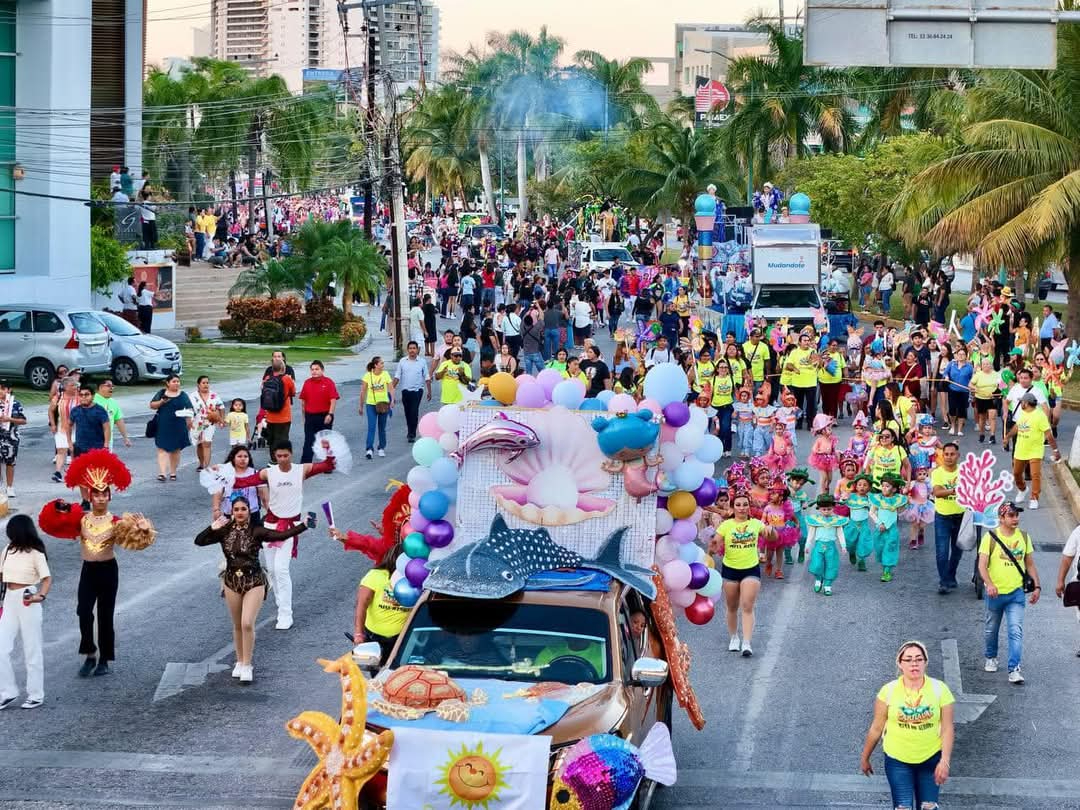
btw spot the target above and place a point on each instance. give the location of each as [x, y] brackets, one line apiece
[158, 344]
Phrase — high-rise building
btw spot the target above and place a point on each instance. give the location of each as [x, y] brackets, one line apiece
[241, 33]
[704, 50]
[305, 35]
[406, 42]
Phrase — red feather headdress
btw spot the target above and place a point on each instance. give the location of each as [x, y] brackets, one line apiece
[98, 469]
[394, 516]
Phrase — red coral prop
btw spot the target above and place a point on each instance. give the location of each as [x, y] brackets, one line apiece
[60, 519]
[976, 487]
[394, 516]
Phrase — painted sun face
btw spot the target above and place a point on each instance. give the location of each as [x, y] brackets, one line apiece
[472, 777]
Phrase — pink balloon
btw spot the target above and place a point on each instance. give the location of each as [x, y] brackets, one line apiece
[676, 575]
[667, 433]
[530, 394]
[429, 425]
[683, 531]
[650, 404]
[414, 500]
[418, 521]
[683, 598]
[621, 403]
[522, 378]
[666, 550]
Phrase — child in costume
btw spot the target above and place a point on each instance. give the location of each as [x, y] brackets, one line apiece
[826, 534]
[857, 397]
[920, 511]
[860, 541]
[781, 454]
[787, 415]
[875, 372]
[761, 477]
[924, 445]
[823, 451]
[884, 511]
[764, 419]
[845, 485]
[797, 480]
[779, 515]
[860, 437]
[743, 413]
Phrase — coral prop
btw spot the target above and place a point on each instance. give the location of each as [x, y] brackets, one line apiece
[348, 755]
[331, 444]
[676, 652]
[978, 489]
[61, 519]
[98, 469]
[395, 515]
[134, 532]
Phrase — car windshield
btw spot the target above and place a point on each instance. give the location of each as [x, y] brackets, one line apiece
[86, 324]
[509, 640]
[787, 298]
[118, 326]
[489, 230]
[611, 254]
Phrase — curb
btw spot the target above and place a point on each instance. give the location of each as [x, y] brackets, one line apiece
[1069, 487]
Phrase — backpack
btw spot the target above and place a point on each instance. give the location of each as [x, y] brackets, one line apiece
[272, 396]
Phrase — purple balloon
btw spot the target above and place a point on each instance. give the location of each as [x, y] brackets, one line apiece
[683, 531]
[661, 502]
[699, 575]
[418, 521]
[416, 572]
[548, 379]
[705, 495]
[439, 534]
[677, 414]
[530, 395]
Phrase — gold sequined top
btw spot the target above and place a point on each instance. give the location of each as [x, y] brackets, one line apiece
[95, 537]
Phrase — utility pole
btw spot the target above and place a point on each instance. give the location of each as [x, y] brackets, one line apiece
[266, 206]
[398, 245]
[369, 127]
[232, 190]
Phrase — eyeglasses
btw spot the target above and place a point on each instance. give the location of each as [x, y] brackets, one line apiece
[919, 660]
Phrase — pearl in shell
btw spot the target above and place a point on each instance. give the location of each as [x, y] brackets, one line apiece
[554, 486]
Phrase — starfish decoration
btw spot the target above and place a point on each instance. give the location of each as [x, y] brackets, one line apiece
[1073, 353]
[982, 315]
[996, 320]
[348, 755]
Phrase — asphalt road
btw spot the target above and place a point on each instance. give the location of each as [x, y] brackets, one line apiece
[170, 728]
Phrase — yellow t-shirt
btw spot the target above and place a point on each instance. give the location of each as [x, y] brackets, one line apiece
[723, 391]
[913, 721]
[456, 373]
[737, 368]
[703, 374]
[238, 424]
[941, 477]
[805, 374]
[385, 615]
[378, 387]
[1031, 427]
[904, 406]
[740, 542]
[757, 356]
[579, 376]
[884, 460]
[986, 384]
[682, 305]
[841, 364]
[1002, 572]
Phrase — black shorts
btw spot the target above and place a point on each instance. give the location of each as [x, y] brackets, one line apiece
[983, 406]
[739, 574]
[958, 404]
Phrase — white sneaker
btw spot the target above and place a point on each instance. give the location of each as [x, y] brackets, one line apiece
[733, 645]
[1014, 676]
[283, 624]
[236, 670]
[247, 674]
[1033, 504]
[952, 431]
[31, 703]
[382, 454]
[991, 665]
[746, 651]
[1020, 495]
[959, 433]
[11, 492]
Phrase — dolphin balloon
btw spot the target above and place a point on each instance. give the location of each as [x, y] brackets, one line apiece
[503, 434]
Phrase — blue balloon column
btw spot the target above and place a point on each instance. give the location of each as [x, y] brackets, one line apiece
[705, 218]
[799, 208]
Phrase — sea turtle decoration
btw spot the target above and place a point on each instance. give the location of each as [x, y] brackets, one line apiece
[410, 692]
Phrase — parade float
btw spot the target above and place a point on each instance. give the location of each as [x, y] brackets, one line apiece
[549, 540]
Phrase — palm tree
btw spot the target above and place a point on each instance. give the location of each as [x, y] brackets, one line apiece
[920, 98]
[477, 74]
[438, 143]
[625, 99]
[271, 279]
[1011, 192]
[168, 126]
[780, 102]
[679, 163]
[354, 265]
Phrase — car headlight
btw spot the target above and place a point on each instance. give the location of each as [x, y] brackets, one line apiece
[143, 351]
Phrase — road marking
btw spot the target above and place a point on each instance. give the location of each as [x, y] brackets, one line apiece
[148, 763]
[968, 707]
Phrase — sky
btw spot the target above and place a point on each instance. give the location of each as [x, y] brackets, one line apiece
[616, 28]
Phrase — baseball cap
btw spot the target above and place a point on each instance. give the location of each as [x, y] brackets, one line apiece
[1009, 506]
[1029, 399]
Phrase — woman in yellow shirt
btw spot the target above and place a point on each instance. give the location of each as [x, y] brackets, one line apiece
[701, 372]
[379, 616]
[737, 541]
[724, 384]
[737, 364]
[886, 456]
[573, 371]
[915, 714]
[377, 398]
[986, 387]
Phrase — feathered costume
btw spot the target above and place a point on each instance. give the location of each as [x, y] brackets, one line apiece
[394, 517]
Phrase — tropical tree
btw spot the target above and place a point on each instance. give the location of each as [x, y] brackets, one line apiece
[780, 102]
[476, 74]
[899, 99]
[622, 84]
[354, 264]
[1010, 193]
[272, 279]
[108, 260]
[437, 139]
[169, 124]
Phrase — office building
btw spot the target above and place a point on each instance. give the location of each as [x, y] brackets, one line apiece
[704, 50]
[240, 32]
[403, 44]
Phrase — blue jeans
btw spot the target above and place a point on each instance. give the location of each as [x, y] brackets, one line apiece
[885, 296]
[946, 530]
[912, 786]
[1011, 605]
[551, 343]
[723, 418]
[374, 418]
[534, 363]
[613, 324]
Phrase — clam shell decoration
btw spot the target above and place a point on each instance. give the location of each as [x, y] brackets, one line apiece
[554, 483]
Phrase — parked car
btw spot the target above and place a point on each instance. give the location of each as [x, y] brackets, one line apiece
[503, 639]
[600, 256]
[36, 338]
[136, 354]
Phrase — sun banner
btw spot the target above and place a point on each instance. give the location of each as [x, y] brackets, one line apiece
[441, 770]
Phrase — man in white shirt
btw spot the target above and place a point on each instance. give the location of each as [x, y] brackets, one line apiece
[412, 376]
[660, 353]
[512, 329]
[128, 302]
[582, 319]
[551, 261]
[416, 324]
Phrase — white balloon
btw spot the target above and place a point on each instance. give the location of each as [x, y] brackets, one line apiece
[448, 442]
[419, 479]
[672, 456]
[689, 438]
[664, 520]
[450, 418]
[698, 417]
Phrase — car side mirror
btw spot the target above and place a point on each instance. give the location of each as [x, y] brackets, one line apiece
[649, 672]
[368, 656]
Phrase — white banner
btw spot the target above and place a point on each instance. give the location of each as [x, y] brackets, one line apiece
[440, 770]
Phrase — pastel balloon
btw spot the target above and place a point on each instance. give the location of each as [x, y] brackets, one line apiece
[416, 546]
[419, 479]
[701, 610]
[401, 562]
[450, 492]
[689, 438]
[433, 505]
[448, 442]
[592, 404]
[569, 393]
[417, 571]
[664, 485]
[503, 387]
[706, 494]
[396, 577]
[690, 553]
[450, 418]
[709, 561]
[414, 499]
[649, 405]
[677, 414]
[667, 433]
[622, 403]
[715, 584]
[530, 394]
[683, 598]
[671, 456]
[405, 594]
[605, 396]
[429, 425]
[548, 379]
[439, 534]
[666, 550]
[699, 419]
[444, 472]
[699, 576]
[418, 521]
[688, 476]
[676, 575]
[664, 521]
[683, 531]
[681, 504]
[711, 449]
[425, 450]
[666, 383]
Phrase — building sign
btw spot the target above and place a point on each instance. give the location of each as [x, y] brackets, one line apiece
[711, 98]
[321, 75]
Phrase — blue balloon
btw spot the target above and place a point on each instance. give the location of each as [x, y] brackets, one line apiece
[434, 505]
[444, 472]
[688, 552]
[666, 383]
[605, 396]
[704, 204]
[569, 393]
[450, 493]
[593, 404]
[710, 451]
[405, 593]
[687, 475]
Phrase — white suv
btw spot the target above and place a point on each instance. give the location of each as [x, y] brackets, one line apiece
[36, 338]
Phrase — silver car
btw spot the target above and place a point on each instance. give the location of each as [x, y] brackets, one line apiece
[36, 338]
[137, 355]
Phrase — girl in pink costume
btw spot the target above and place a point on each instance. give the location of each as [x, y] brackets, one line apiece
[781, 455]
[850, 465]
[920, 511]
[788, 414]
[779, 515]
[823, 451]
[860, 438]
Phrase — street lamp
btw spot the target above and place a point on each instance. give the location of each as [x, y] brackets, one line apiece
[749, 144]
